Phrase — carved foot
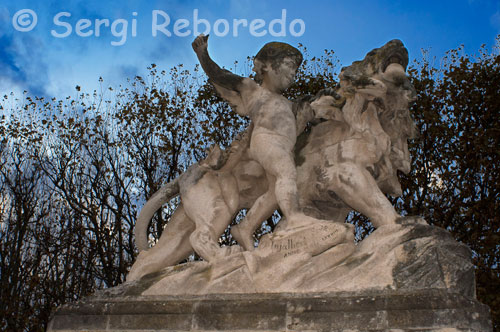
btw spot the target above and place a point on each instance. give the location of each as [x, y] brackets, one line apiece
[243, 236]
[142, 266]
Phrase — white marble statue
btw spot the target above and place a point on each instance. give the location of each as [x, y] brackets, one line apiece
[348, 160]
[274, 131]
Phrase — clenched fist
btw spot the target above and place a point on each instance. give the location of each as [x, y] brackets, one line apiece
[200, 43]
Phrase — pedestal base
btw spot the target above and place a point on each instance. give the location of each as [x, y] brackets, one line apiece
[425, 310]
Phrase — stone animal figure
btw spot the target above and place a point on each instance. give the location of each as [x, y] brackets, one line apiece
[354, 157]
[348, 161]
[212, 192]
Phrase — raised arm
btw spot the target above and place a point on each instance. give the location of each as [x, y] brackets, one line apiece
[216, 74]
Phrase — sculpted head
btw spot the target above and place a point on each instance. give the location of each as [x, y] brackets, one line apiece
[380, 80]
[387, 63]
[278, 62]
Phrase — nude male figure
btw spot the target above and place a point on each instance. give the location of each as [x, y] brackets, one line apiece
[275, 129]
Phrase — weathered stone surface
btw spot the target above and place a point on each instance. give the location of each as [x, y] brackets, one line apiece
[348, 158]
[410, 255]
[430, 310]
[409, 276]
[435, 260]
[283, 262]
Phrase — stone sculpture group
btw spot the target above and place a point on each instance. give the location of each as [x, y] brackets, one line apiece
[348, 160]
[316, 160]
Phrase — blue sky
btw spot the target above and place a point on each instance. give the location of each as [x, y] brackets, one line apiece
[44, 65]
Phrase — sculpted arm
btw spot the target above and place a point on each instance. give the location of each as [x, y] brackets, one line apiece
[216, 74]
[229, 85]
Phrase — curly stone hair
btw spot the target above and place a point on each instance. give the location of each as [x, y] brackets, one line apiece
[274, 53]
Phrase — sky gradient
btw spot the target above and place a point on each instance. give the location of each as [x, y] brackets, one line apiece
[50, 66]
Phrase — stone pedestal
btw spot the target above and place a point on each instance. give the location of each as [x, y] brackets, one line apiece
[431, 310]
[405, 277]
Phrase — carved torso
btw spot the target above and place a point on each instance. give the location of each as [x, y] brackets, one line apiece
[270, 113]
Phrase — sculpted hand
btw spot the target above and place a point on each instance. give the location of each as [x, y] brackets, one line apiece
[200, 43]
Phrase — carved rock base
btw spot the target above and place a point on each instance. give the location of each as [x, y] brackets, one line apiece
[323, 258]
[408, 276]
[432, 310]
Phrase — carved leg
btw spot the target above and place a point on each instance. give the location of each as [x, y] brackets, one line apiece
[173, 247]
[357, 188]
[205, 205]
[204, 242]
[262, 209]
[210, 224]
[274, 154]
